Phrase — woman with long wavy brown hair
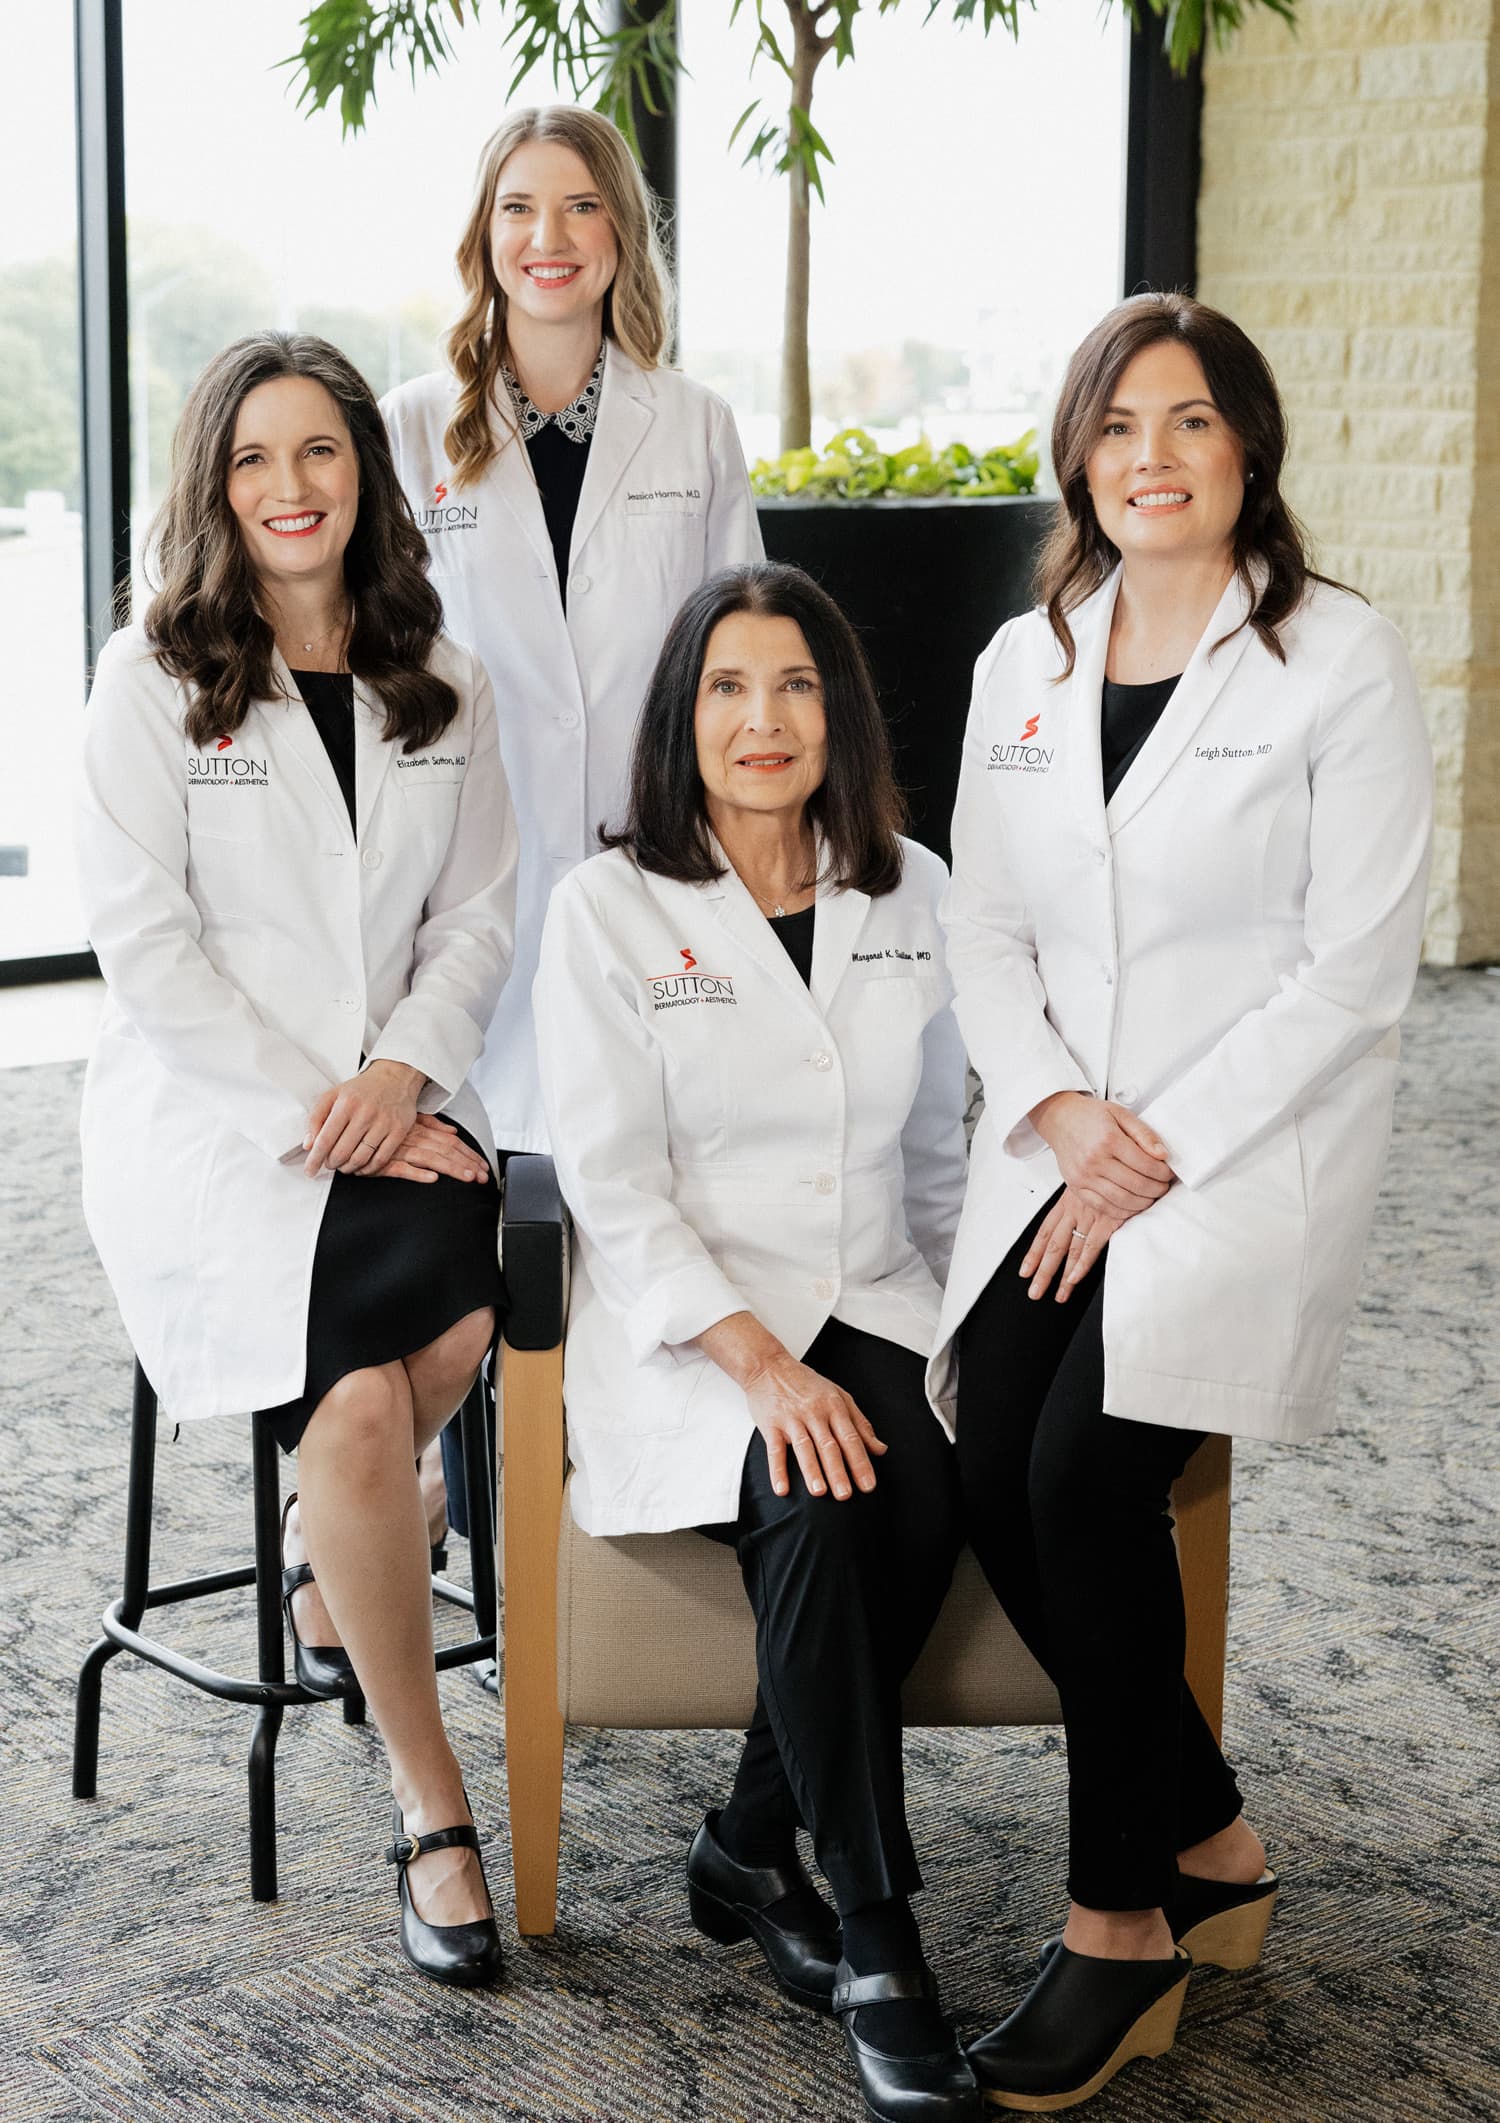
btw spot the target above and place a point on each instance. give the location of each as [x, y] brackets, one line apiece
[1190, 853]
[297, 855]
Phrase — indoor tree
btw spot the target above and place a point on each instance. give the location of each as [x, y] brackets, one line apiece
[624, 56]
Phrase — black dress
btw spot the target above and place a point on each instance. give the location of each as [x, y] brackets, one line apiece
[398, 1261]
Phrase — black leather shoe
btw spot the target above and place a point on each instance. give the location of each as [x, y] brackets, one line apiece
[939, 2088]
[727, 1902]
[322, 1669]
[1080, 2021]
[464, 1954]
[1222, 1924]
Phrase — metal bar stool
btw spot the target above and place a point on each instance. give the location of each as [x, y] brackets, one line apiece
[270, 1691]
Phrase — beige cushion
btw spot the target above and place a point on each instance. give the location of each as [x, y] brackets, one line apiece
[655, 1630]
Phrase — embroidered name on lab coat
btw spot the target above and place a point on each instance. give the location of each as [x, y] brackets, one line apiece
[1207, 752]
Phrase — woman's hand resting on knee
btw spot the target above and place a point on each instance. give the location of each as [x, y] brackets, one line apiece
[432, 1149]
[360, 1125]
[793, 1405]
[1107, 1156]
[1113, 1166]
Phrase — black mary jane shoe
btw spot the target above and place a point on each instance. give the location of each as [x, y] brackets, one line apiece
[937, 2088]
[322, 1669]
[464, 1954]
[728, 1901]
[1082, 2018]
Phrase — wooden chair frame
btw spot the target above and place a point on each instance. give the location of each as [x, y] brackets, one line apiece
[533, 1444]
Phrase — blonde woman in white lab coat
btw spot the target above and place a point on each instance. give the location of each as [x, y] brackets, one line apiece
[755, 1092]
[298, 856]
[1190, 856]
[572, 491]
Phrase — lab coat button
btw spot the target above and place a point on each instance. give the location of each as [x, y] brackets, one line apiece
[1125, 1093]
[348, 1002]
[1099, 855]
[568, 720]
[823, 1288]
[1109, 978]
[582, 582]
[825, 1183]
[822, 1061]
[372, 858]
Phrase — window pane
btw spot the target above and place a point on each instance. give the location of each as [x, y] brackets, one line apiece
[972, 231]
[41, 537]
[246, 212]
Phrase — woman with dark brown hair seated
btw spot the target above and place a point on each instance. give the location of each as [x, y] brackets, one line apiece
[298, 863]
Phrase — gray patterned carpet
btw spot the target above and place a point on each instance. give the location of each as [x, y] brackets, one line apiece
[138, 1982]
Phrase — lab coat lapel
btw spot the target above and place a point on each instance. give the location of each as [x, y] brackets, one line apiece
[293, 727]
[1197, 690]
[1076, 709]
[840, 917]
[514, 482]
[372, 755]
[625, 417]
[735, 909]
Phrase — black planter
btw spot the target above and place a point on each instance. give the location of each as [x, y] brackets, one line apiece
[927, 583]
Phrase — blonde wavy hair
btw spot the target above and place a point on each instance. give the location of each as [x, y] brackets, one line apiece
[636, 308]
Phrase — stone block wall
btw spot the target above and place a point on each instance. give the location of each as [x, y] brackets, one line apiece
[1349, 219]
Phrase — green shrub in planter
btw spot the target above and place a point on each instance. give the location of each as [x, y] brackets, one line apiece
[853, 467]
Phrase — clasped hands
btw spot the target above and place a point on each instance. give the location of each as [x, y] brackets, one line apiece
[370, 1127]
[1113, 1167]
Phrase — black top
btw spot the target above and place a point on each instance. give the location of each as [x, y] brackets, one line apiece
[1127, 716]
[795, 933]
[559, 463]
[330, 702]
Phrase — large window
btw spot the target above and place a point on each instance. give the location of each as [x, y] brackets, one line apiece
[41, 549]
[972, 231]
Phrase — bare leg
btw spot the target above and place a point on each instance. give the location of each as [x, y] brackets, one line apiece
[366, 1533]
[1236, 1855]
[446, 1367]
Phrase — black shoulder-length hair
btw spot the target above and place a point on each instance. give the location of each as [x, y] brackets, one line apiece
[857, 809]
[206, 624]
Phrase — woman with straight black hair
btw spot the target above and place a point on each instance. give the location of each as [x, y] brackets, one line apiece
[754, 1091]
[1189, 868]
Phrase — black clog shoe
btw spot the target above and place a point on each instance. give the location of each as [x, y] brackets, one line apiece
[937, 2088]
[1082, 2018]
[728, 1901]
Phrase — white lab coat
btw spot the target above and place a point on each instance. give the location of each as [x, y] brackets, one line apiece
[1226, 950]
[253, 953]
[665, 503]
[729, 1140]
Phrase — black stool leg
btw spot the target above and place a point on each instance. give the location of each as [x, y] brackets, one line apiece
[272, 1650]
[479, 1482]
[138, 1501]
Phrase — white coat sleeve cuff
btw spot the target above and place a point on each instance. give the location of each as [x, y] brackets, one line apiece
[406, 1039]
[1021, 1139]
[680, 1308]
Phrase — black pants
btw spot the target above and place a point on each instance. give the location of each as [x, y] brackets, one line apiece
[845, 1595]
[1068, 1511]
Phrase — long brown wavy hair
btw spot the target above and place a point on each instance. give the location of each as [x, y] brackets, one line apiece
[637, 313]
[205, 622]
[1271, 556]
